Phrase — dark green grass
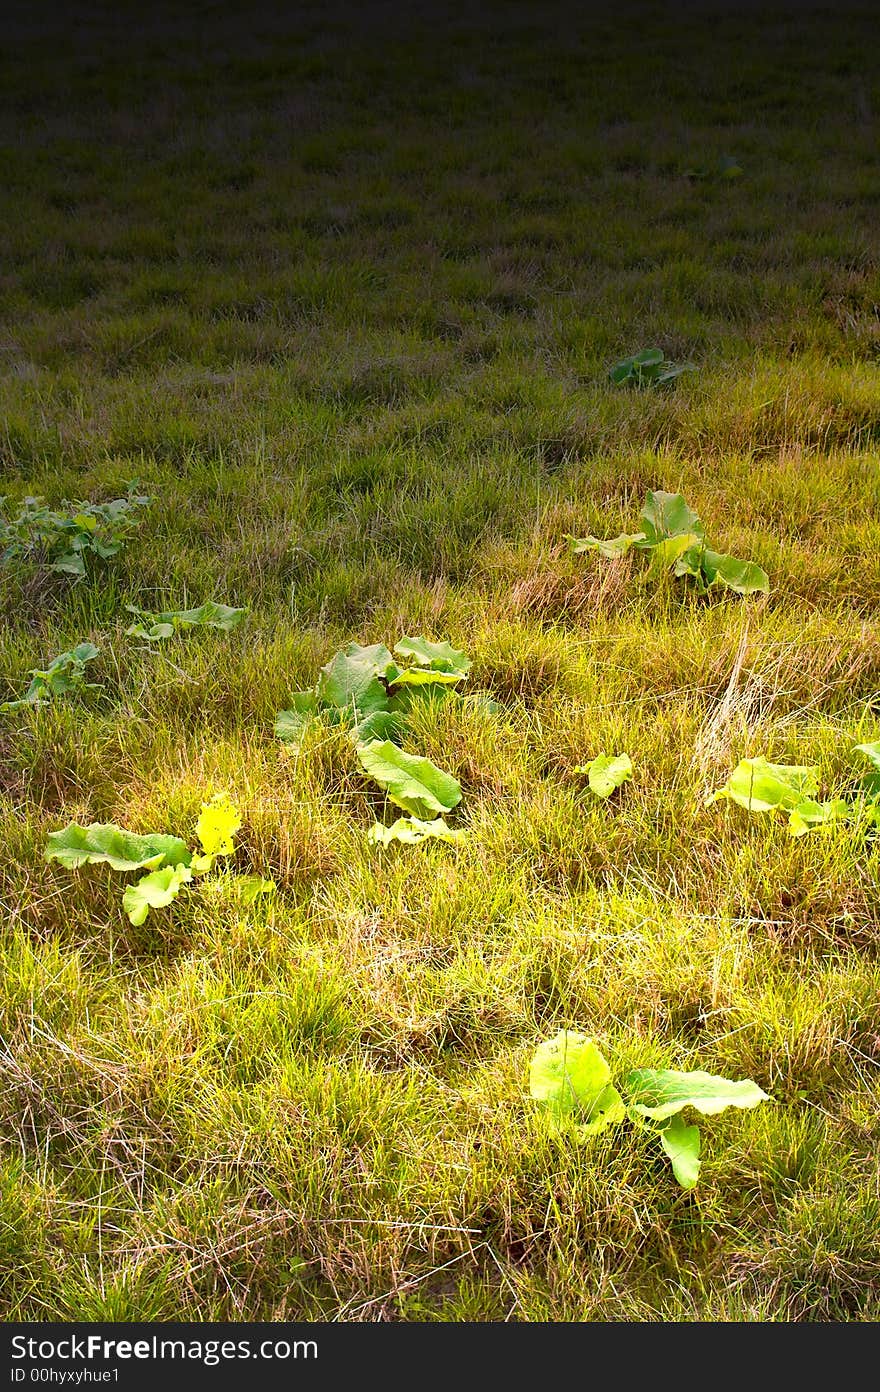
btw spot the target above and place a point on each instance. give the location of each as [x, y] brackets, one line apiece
[342, 294]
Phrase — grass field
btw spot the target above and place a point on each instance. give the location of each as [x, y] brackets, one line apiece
[342, 294]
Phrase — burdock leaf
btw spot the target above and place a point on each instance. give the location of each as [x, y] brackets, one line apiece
[349, 683]
[571, 1076]
[668, 515]
[290, 725]
[108, 844]
[743, 577]
[759, 786]
[809, 814]
[425, 676]
[413, 783]
[661, 1093]
[154, 891]
[615, 546]
[871, 751]
[439, 657]
[670, 552]
[411, 830]
[682, 1145]
[606, 773]
[217, 824]
[165, 624]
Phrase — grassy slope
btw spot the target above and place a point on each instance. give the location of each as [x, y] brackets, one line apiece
[344, 303]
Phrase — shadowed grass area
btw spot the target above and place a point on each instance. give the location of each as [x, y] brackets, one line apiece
[342, 294]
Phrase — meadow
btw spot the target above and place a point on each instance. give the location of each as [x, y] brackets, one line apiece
[341, 293]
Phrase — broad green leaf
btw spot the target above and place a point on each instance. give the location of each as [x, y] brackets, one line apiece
[660, 1093]
[156, 632]
[380, 725]
[640, 368]
[871, 751]
[682, 1145]
[154, 891]
[666, 553]
[374, 655]
[743, 577]
[669, 371]
[290, 725]
[250, 887]
[668, 515]
[759, 786]
[122, 850]
[606, 772]
[411, 830]
[217, 824]
[615, 546]
[809, 814]
[349, 683]
[439, 657]
[422, 676]
[690, 562]
[71, 563]
[572, 1078]
[170, 621]
[869, 783]
[413, 783]
[83, 652]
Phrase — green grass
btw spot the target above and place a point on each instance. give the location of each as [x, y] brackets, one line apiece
[343, 299]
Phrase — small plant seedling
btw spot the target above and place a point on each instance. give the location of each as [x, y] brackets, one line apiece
[64, 676]
[648, 368]
[675, 538]
[605, 773]
[158, 626]
[572, 1079]
[61, 540]
[167, 859]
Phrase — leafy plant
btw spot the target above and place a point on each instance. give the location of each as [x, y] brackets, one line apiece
[169, 861]
[674, 535]
[64, 675]
[413, 783]
[158, 626]
[648, 368]
[572, 1079]
[870, 783]
[103, 843]
[606, 773]
[411, 830]
[759, 786]
[371, 691]
[61, 540]
[154, 891]
[367, 690]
